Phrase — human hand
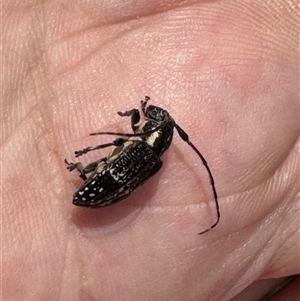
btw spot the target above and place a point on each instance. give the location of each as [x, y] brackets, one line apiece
[226, 72]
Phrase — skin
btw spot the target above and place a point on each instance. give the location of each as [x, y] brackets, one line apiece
[227, 71]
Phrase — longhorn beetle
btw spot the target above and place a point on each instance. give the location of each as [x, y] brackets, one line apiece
[135, 158]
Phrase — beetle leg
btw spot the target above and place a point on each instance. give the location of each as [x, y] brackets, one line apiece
[117, 142]
[144, 104]
[135, 117]
[84, 170]
[92, 166]
[78, 166]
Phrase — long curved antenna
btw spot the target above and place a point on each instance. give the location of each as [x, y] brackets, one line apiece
[184, 136]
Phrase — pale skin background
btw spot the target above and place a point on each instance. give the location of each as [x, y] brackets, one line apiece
[227, 71]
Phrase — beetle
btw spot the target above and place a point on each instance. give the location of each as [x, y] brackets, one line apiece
[135, 158]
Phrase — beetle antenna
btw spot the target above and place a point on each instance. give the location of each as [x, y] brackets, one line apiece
[184, 136]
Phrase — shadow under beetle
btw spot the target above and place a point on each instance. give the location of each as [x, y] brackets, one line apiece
[135, 158]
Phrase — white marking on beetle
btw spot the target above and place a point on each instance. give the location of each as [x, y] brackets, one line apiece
[151, 139]
[115, 175]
